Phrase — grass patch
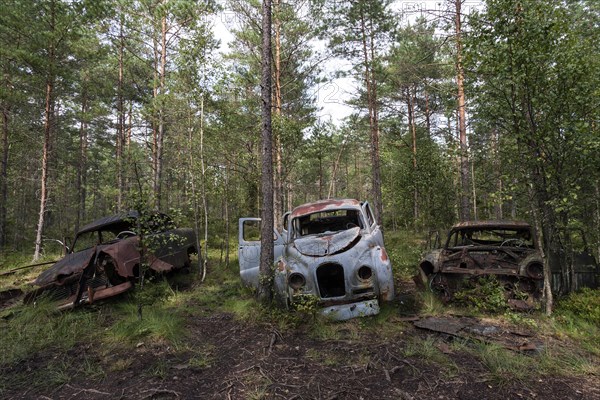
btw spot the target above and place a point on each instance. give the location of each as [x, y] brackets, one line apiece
[157, 323]
[405, 249]
[35, 329]
[428, 351]
[504, 366]
[429, 304]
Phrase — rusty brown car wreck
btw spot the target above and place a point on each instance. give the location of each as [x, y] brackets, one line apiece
[106, 258]
[504, 249]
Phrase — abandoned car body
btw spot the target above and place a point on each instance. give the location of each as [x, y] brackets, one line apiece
[330, 250]
[106, 256]
[504, 249]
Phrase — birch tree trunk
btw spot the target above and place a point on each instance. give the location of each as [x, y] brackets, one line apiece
[48, 122]
[48, 126]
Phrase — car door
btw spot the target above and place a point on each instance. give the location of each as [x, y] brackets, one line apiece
[372, 227]
[249, 249]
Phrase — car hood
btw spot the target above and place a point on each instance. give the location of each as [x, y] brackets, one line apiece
[327, 244]
[125, 254]
[71, 264]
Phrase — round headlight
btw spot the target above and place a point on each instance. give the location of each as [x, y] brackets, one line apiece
[296, 280]
[365, 273]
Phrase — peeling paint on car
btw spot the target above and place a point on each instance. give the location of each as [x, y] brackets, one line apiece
[331, 250]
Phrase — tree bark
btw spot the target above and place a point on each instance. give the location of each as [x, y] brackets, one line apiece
[120, 139]
[371, 86]
[203, 187]
[81, 168]
[465, 212]
[48, 122]
[265, 293]
[4, 174]
[278, 185]
[410, 102]
[48, 126]
[161, 123]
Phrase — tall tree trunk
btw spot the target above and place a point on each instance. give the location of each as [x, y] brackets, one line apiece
[203, 187]
[265, 293]
[597, 215]
[497, 165]
[81, 168]
[465, 212]
[161, 123]
[278, 185]
[48, 122]
[332, 193]
[227, 226]
[548, 298]
[410, 102]
[4, 174]
[120, 139]
[370, 83]
[48, 126]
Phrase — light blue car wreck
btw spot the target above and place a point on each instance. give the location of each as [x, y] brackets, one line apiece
[331, 249]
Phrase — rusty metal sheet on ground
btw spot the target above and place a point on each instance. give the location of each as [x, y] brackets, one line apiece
[474, 329]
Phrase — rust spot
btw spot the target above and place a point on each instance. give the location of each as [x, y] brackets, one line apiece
[322, 205]
[280, 265]
[384, 255]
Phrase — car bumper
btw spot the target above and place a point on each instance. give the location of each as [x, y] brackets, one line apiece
[343, 312]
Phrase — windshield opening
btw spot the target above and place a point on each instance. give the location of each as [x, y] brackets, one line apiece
[326, 222]
[492, 237]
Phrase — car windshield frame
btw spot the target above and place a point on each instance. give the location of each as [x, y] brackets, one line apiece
[310, 224]
[490, 236]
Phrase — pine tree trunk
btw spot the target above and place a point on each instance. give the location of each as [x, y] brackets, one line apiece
[465, 212]
[81, 168]
[161, 123]
[227, 227]
[4, 174]
[370, 83]
[410, 97]
[120, 139]
[266, 233]
[278, 184]
[497, 165]
[203, 186]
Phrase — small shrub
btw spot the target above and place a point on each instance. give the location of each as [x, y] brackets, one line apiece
[485, 294]
[584, 304]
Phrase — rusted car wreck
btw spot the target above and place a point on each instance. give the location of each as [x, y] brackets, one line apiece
[504, 249]
[106, 257]
[331, 250]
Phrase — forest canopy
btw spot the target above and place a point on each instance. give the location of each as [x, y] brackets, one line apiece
[459, 112]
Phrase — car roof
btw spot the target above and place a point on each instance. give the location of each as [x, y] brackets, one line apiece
[501, 224]
[110, 220]
[325, 205]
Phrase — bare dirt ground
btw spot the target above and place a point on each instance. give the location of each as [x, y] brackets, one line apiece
[246, 360]
[225, 358]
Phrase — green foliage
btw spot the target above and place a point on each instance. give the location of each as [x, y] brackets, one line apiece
[485, 294]
[584, 305]
[404, 249]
